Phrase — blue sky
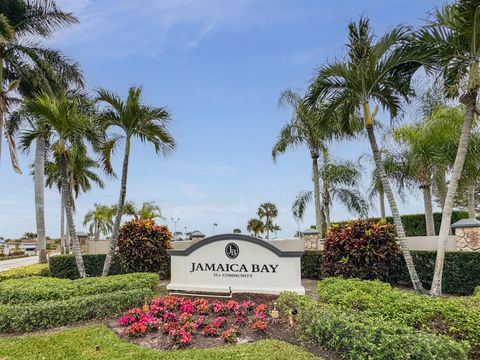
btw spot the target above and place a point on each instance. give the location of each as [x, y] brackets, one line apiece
[219, 66]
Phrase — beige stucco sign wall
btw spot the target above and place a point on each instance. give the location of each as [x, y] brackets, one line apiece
[237, 262]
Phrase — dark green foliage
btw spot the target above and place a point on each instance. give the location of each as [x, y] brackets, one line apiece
[362, 249]
[414, 224]
[45, 314]
[142, 246]
[21, 291]
[362, 337]
[311, 264]
[461, 273]
[457, 317]
[65, 267]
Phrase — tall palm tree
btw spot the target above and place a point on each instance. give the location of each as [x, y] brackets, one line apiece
[136, 120]
[256, 226]
[69, 128]
[376, 70]
[450, 43]
[310, 127]
[341, 181]
[99, 220]
[20, 22]
[81, 173]
[268, 211]
[471, 174]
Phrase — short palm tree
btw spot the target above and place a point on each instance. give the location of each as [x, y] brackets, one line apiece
[255, 226]
[82, 172]
[267, 211]
[148, 210]
[471, 174]
[341, 182]
[69, 129]
[451, 43]
[312, 128]
[20, 22]
[376, 70]
[136, 120]
[99, 220]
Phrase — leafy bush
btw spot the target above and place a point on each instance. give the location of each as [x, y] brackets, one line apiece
[143, 247]
[362, 249]
[45, 314]
[25, 271]
[311, 264]
[18, 291]
[457, 317]
[461, 272]
[362, 337]
[414, 224]
[65, 267]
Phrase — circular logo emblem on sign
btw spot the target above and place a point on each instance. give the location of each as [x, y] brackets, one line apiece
[231, 250]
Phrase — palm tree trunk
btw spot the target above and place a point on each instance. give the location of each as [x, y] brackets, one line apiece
[402, 239]
[326, 203]
[427, 203]
[118, 218]
[38, 177]
[472, 212]
[62, 223]
[470, 102]
[268, 228]
[97, 234]
[316, 194]
[381, 196]
[69, 214]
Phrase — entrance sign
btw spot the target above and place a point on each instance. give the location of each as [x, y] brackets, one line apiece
[237, 262]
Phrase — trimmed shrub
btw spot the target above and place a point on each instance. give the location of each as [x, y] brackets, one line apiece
[142, 246]
[458, 318]
[361, 249]
[363, 337]
[19, 291]
[414, 224]
[461, 272]
[65, 267]
[25, 271]
[311, 264]
[45, 314]
[11, 257]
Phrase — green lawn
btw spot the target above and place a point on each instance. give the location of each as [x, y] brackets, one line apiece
[80, 343]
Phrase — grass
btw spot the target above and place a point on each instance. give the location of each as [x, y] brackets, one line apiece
[81, 343]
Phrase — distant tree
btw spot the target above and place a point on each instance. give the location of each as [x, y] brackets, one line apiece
[255, 226]
[276, 228]
[237, 231]
[267, 211]
[148, 210]
[99, 220]
[29, 235]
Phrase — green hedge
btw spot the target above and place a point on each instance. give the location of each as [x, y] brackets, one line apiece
[45, 314]
[460, 277]
[311, 264]
[65, 267]
[11, 257]
[19, 291]
[362, 337]
[461, 272]
[25, 271]
[457, 317]
[415, 225]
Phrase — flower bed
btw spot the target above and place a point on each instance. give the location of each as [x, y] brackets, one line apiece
[183, 319]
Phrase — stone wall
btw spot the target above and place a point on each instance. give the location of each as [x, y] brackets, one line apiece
[468, 239]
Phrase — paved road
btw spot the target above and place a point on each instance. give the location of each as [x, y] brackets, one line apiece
[14, 263]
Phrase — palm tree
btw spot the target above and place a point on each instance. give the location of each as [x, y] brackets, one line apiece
[450, 43]
[20, 22]
[81, 174]
[99, 220]
[471, 174]
[310, 127]
[268, 211]
[256, 226]
[148, 210]
[237, 231]
[136, 120]
[68, 128]
[341, 181]
[376, 70]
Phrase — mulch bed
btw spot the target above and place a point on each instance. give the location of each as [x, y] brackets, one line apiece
[280, 329]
